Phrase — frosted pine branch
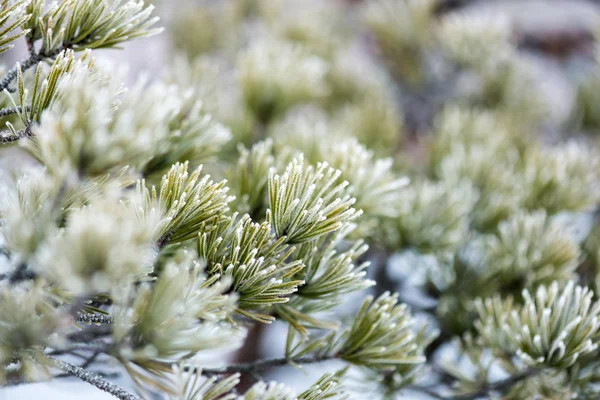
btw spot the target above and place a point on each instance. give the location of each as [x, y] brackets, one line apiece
[94, 380]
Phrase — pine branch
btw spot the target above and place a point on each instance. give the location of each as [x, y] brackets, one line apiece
[11, 137]
[95, 380]
[103, 374]
[92, 318]
[252, 368]
[91, 360]
[26, 64]
[4, 112]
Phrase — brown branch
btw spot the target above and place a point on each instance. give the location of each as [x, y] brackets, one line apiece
[260, 365]
[255, 367]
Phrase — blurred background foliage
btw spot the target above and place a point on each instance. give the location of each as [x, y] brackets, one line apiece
[490, 108]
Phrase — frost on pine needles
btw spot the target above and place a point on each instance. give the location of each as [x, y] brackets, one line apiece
[370, 178]
[305, 202]
[185, 203]
[554, 326]
[255, 260]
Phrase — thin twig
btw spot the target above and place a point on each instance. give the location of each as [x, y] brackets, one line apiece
[260, 365]
[9, 137]
[32, 61]
[10, 76]
[103, 374]
[94, 380]
[93, 318]
[90, 360]
[4, 112]
[255, 367]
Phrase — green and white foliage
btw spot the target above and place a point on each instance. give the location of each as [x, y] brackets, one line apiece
[526, 251]
[116, 244]
[275, 75]
[499, 192]
[374, 119]
[88, 24]
[586, 113]
[216, 84]
[459, 127]
[197, 31]
[305, 202]
[332, 269]
[193, 386]
[185, 204]
[313, 24]
[529, 250]
[27, 213]
[554, 327]
[249, 176]
[562, 178]
[372, 181]
[327, 387]
[463, 150]
[51, 29]
[194, 135]
[469, 39]
[45, 89]
[269, 391]
[383, 336]
[431, 217]
[402, 30]
[95, 126]
[175, 317]
[306, 129]
[29, 323]
[254, 259]
[12, 15]
[45, 92]
[106, 232]
[176, 127]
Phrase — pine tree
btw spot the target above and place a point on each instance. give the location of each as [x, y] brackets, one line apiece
[271, 176]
